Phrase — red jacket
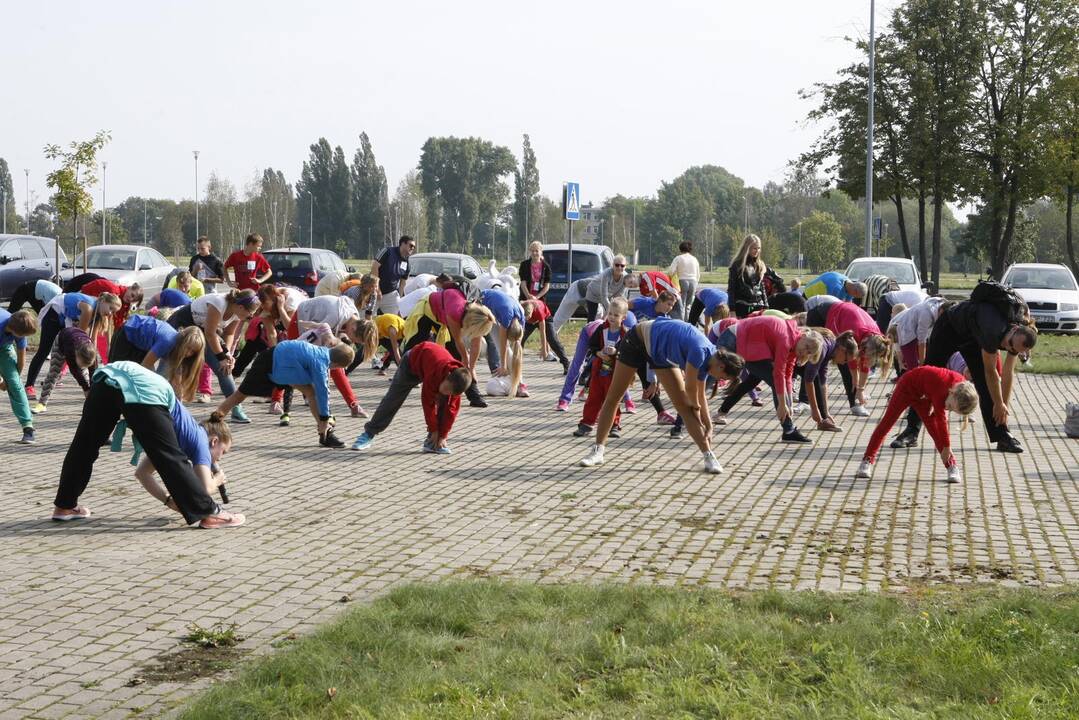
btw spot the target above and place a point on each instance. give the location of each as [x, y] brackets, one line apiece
[657, 281]
[846, 316]
[96, 287]
[924, 388]
[432, 363]
[770, 338]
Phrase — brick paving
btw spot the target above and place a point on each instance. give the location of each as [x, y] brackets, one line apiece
[84, 607]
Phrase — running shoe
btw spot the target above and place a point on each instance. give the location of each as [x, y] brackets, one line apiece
[631, 407]
[357, 410]
[478, 403]
[757, 402]
[593, 458]
[551, 357]
[859, 411]
[202, 398]
[583, 430]
[800, 408]
[39, 408]
[904, 440]
[77, 513]
[795, 436]
[581, 395]
[239, 416]
[563, 406]
[285, 420]
[363, 441]
[30, 392]
[719, 418]
[276, 408]
[28, 436]
[677, 432]
[330, 440]
[865, 470]
[522, 391]
[665, 418]
[222, 519]
[954, 476]
[615, 432]
[711, 463]
[428, 448]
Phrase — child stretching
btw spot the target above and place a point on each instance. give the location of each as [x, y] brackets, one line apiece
[443, 379]
[929, 391]
[204, 444]
[78, 351]
[301, 365]
[14, 329]
[603, 348]
[617, 307]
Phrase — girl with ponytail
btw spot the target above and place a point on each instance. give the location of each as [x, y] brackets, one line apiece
[510, 325]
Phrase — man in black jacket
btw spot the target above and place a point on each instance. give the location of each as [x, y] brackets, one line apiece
[205, 266]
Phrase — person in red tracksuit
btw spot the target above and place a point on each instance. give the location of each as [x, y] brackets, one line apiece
[929, 391]
[603, 344]
[130, 297]
[443, 378]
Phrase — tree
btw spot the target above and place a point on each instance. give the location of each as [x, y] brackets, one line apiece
[369, 199]
[322, 197]
[78, 165]
[10, 210]
[278, 206]
[409, 208]
[525, 187]
[822, 241]
[1063, 151]
[462, 178]
[1027, 49]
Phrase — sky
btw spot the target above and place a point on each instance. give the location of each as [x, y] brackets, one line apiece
[618, 96]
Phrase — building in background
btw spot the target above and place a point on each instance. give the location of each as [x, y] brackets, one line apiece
[591, 227]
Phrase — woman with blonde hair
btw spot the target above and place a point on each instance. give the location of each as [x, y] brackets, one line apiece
[177, 354]
[205, 444]
[220, 317]
[745, 281]
[455, 323]
[510, 324]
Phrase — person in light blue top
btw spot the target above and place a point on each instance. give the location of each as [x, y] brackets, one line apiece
[834, 284]
[147, 403]
[509, 324]
[683, 359]
[646, 308]
[298, 364]
[35, 293]
[711, 303]
[170, 298]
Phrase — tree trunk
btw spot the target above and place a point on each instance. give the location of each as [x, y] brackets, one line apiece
[1070, 205]
[922, 267]
[938, 217]
[902, 222]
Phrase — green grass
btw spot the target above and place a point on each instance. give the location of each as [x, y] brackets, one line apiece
[1054, 354]
[486, 649]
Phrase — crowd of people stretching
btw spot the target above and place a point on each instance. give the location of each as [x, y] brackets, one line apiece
[140, 364]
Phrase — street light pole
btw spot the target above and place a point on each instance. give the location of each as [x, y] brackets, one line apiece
[799, 245]
[145, 240]
[196, 154]
[26, 171]
[869, 135]
[103, 205]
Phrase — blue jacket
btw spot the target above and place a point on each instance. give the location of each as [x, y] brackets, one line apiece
[296, 362]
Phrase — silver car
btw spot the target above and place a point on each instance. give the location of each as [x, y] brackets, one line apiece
[124, 265]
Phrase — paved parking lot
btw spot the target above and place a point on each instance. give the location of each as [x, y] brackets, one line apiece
[87, 610]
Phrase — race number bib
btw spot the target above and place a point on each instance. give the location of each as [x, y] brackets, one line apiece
[250, 266]
[402, 267]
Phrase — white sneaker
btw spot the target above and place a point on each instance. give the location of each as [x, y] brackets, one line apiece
[719, 418]
[859, 411]
[865, 470]
[800, 408]
[594, 457]
[711, 463]
[954, 476]
[551, 357]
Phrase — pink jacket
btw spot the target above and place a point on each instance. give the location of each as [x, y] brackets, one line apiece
[770, 338]
[846, 316]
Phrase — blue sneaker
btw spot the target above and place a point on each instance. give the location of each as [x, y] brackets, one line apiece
[428, 448]
[239, 416]
[363, 442]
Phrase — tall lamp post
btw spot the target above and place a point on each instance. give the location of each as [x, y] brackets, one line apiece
[196, 154]
[26, 171]
[869, 135]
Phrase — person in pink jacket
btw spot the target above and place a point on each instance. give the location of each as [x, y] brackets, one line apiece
[873, 347]
[772, 347]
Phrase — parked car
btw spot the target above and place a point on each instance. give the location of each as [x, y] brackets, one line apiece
[24, 258]
[124, 265]
[1050, 292]
[902, 270]
[304, 267]
[436, 263]
[588, 261]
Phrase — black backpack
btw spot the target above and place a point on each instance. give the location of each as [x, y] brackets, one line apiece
[1004, 299]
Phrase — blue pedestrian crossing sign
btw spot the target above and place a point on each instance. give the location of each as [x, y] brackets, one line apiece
[571, 200]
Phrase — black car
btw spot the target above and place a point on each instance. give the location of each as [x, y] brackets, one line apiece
[304, 267]
[24, 258]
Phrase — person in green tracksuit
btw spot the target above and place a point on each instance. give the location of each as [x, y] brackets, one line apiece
[14, 329]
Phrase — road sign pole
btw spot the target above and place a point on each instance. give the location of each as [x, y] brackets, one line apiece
[569, 255]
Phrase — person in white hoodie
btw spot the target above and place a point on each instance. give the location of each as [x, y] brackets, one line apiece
[688, 270]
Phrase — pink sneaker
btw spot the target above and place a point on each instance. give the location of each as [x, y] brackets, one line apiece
[76, 513]
[223, 519]
[357, 411]
[563, 406]
[276, 408]
[631, 407]
[665, 418]
[522, 391]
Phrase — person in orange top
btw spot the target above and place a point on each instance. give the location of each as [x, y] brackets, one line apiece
[443, 379]
[250, 266]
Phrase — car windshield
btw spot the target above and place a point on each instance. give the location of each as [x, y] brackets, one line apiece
[289, 261]
[584, 263]
[435, 265]
[1040, 279]
[901, 272]
[104, 258]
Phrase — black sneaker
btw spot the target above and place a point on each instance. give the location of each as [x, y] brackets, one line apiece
[615, 433]
[478, 403]
[905, 440]
[582, 430]
[795, 436]
[28, 436]
[1010, 444]
[677, 432]
[330, 440]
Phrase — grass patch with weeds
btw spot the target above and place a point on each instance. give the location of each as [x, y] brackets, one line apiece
[217, 635]
[510, 650]
[1054, 354]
